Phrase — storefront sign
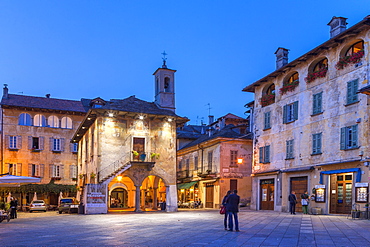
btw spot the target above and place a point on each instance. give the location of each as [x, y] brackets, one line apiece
[361, 184]
[320, 186]
[95, 196]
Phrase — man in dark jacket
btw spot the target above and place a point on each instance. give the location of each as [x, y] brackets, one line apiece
[292, 201]
[232, 209]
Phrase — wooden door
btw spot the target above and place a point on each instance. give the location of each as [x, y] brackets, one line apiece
[209, 195]
[341, 193]
[299, 185]
[267, 194]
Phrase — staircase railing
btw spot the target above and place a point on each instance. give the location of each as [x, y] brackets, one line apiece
[113, 168]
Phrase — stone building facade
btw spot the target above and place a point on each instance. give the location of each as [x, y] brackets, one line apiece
[36, 137]
[217, 161]
[311, 124]
[127, 155]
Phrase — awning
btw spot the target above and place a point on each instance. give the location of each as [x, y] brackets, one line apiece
[358, 175]
[186, 185]
[299, 169]
[18, 179]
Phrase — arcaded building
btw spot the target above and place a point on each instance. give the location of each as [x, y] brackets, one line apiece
[127, 154]
[311, 124]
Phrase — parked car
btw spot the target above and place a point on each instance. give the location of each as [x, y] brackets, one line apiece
[68, 205]
[38, 205]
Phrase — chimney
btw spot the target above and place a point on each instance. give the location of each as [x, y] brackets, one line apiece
[48, 95]
[5, 91]
[281, 57]
[337, 25]
[211, 119]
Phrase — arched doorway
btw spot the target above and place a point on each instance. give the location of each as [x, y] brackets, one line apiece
[118, 198]
[153, 193]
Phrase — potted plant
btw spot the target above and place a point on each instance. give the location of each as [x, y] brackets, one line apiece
[289, 87]
[267, 99]
[81, 176]
[352, 59]
[92, 175]
[318, 74]
[154, 156]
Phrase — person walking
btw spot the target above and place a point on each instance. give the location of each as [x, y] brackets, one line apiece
[304, 202]
[13, 208]
[224, 205]
[232, 209]
[292, 202]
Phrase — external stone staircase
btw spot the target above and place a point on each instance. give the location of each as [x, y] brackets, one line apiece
[112, 170]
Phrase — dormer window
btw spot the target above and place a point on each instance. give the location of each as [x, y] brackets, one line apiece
[97, 103]
[355, 48]
[352, 55]
[290, 84]
[319, 70]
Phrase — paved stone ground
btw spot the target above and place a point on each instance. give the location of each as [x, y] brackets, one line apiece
[183, 228]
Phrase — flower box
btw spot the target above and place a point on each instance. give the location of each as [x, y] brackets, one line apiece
[346, 60]
[318, 74]
[289, 87]
[267, 99]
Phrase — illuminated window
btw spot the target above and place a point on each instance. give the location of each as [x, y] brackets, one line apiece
[355, 48]
[53, 122]
[292, 79]
[66, 123]
[321, 65]
[39, 120]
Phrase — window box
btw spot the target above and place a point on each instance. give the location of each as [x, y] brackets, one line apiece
[74, 179]
[56, 178]
[267, 99]
[289, 87]
[318, 74]
[352, 59]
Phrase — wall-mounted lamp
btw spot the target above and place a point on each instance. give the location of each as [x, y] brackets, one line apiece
[110, 114]
[240, 161]
[169, 119]
[119, 178]
[141, 117]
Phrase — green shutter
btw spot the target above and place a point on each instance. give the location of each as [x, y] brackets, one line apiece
[295, 110]
[314, 104]
[319, 102]
[354, 90]
[314, 140]
[349, 92]
[318, 140]
[267, 154]
[261, 154]
[354, 136]
[284, 114]
[343, 138]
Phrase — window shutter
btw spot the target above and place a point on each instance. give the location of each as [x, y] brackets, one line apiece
[319, 102]
[287, 149]
[30, 170]
[19, 169]
[71, 171]
[314, 143]
[314, 104]
[267, 154]
[51, 170]
[61, 171]
[349, 92]
[319, 143]
[71, 147]
[7, 141]
[51, 143]
[285, 114]
[19, 142]
[354, 92]
[343, 138]
[62, 143]
[261, 154]
[30, 142]
[354, 136]
[41, 143]
[295, 110]
[42, 169]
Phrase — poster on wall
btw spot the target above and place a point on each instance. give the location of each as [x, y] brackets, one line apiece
[362, 191]
[320, 193]
[96, 194]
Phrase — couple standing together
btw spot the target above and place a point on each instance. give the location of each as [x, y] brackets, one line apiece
[231, 202]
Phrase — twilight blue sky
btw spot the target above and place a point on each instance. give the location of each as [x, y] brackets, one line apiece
[110, 48]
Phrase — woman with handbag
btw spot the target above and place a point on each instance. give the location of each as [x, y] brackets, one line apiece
[223, 209]
[304, 202]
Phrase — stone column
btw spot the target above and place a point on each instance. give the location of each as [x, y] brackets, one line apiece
[155, 199]
[137, 199]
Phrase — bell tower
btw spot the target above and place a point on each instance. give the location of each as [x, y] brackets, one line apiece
[164, 84]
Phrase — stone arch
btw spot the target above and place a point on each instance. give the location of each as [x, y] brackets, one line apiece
[346, 47]
[315, 62]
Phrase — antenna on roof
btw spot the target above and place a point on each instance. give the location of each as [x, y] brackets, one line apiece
[209, 109]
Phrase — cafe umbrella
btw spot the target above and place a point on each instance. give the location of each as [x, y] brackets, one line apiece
[12, 179]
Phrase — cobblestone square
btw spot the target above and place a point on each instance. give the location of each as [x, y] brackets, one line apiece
[183, 228]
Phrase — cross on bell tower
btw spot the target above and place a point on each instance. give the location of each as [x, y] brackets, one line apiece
[164, 80]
